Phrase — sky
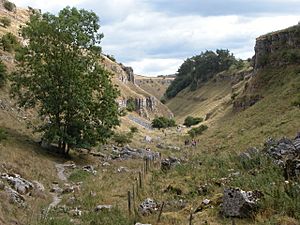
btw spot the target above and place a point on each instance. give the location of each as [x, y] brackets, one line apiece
[156, 36]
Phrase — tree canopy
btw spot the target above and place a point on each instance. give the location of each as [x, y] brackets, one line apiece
[59, 73]
[199, 69]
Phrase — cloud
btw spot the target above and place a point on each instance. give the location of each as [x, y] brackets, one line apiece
[155, 36]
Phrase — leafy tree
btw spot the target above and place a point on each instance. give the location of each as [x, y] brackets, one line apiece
[5, 21]
[59, 73]
[9, 6]
[9, 42]
[163, 122]
[2, 74]
[134, 129]
[190, 121]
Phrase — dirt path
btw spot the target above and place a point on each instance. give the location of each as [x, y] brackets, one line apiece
[56, 196]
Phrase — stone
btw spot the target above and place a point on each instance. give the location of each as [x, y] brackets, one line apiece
[103, 207]
[14, 196]
[168, 163]
[239, 203]
[75, 212]
[148, 206]
[206, 201]
[142, 224]
[174, 190]
[2, 185]
[249, 154]
[56, 189]
[106, 164]
[148, 139]
[38, 186]
[89, 169]
[122, 169]
[19, 184]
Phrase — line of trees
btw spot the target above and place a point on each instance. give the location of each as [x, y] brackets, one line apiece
[199, 69]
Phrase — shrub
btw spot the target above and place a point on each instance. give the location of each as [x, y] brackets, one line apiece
[111, 57]
[2, 74]
[190, 121]
[5, 21]
[163, 122]
[134, 129]
[122, 138]
[9, 6]
[197, 130]
[131, 106]
[234, 95]
[9, 42]
[3, 134]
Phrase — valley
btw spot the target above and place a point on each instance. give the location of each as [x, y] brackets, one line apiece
[243, 167]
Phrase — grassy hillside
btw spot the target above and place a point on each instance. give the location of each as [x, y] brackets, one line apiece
[156, 86]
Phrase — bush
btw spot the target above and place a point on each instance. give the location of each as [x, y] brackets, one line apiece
[122, 139]
[5, 21]
[9, 42]
[3, 134]
[2, 74]
[111, 57]
[190, 121]
[197, 130]
[134, 129]
[131, 106]
[163, 122]
[9, 6]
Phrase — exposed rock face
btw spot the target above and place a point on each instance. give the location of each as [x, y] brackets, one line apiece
[286, 154]
[131, 153]
[130, 75]
[278, 48]
[168, 163]
[148, 207]
[245, 102]
[19, 184]
[239, 203]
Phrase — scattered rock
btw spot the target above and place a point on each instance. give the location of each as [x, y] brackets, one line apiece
[75, 212]
[142, 224]
[103, 207]
[203, 189]
[148, 207]
[18, 183]
[105, 164]
[38, 186]
[239, 203]
[168, 163]
[127, 152]
[90, 169]
[14, 196]
[206, 201]
[122, 169]
[148, 139]
[2, 185]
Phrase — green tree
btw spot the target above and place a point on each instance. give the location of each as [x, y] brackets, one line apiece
[59, 73]
[9, 42]
[9, 6]
[163, 122]
[2, 74]
[190, 121]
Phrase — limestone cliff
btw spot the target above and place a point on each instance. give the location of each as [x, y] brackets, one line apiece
[278, 48]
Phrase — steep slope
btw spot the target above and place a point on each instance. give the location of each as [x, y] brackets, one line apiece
[156, 86]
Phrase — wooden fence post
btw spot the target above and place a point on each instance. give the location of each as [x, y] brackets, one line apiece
[129, 203]
[160, 212]
[191, 217]
[140, 179]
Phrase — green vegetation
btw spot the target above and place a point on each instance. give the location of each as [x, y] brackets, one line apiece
[111, 57]
[66, 85]
[9, 42]
[131, 106]
[134, 129]
[79, 175]
[163, 122]
[5, 21]
[9, 6]
[3, 134]
[199, 69]
[190, 121]
[2, 74]
[122, 138]
[197, 130]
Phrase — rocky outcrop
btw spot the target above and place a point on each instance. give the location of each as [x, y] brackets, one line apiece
[278, 48]
[245, 102]
[239, 203]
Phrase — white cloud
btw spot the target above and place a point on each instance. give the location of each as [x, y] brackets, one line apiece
[155, 42]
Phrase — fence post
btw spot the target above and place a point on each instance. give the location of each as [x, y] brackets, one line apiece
[160, 212]
[140, 179]
[129, 203]
[191, 217]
